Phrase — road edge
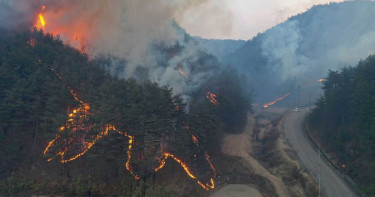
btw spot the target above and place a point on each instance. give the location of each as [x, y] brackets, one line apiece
[347, 180]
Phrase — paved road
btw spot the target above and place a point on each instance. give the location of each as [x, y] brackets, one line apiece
[236, 190]
[332, 183]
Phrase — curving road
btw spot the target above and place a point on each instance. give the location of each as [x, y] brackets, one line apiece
[332, 183]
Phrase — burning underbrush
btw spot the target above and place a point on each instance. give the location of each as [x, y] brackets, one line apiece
[104, 94]
[78, 122]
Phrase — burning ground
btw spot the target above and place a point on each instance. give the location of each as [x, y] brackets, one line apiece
[65, 122]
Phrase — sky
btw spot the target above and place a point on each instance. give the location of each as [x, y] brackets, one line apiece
[240, 19]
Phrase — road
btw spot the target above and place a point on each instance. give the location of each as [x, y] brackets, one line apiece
[332, 183]
[239, 145]
[237, 190]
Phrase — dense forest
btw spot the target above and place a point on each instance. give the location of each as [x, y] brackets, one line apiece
[344, 121]
[58, 105]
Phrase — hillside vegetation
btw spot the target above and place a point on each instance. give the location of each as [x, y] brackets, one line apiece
[300, 50]
[344, 121]
[39, 76]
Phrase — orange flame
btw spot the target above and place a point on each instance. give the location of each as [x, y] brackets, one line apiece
[42, 21]
[85, 108]
[273, 102]
[74, 39]
[183, 73]
[320, 80]
[212, 97]
[206, 186]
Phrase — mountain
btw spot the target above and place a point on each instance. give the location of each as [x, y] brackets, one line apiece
[219, 48]
[67, 123]
[301, 50]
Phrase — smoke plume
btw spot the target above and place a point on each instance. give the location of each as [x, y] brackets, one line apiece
[140, 32]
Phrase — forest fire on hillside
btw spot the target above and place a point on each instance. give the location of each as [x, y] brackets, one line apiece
[75, 123]
[74, 39]
[273, 102]
[320, 80]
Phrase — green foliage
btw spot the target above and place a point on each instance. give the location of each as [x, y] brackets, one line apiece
[16, 186]
[35, 102]
[345, 120]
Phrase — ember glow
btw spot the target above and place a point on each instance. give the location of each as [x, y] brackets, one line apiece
[183, 73]
[73, 38]
[273, 102]
[320, 80]
[74, 124]
[212, 97]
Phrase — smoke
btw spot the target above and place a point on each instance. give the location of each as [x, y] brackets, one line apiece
[140, 32]
[327, 37]
[280, 45]
[301, 50]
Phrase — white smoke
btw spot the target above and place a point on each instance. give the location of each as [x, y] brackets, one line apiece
[281, 45]
[127, 29]
[323, 40]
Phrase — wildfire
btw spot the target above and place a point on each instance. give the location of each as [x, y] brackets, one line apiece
[73, 38]
[212, 97]
[82, 112]
[320, 80]
[273, 102]
[206, 186]
[183, 73]
[42, 21]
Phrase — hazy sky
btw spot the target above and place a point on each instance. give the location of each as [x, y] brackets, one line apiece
[241, 19]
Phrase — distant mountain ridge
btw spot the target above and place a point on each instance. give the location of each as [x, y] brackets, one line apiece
[303, 49]
[219, 48]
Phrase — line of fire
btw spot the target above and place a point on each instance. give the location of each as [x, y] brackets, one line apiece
[275, 101]
[78, 132]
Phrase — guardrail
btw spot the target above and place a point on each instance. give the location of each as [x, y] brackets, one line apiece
[338, 170]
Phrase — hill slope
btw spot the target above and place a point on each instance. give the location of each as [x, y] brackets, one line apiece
[302, 49]
[67, 127]
[344, 121]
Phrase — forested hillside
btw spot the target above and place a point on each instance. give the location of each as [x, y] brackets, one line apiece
[300, 50]
[220, 48]
[344, 121]
[69, 127]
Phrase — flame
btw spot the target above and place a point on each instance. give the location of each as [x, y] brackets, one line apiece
[320, 80]
[183, 73]
[42, 21]
[84, 108]
[73, 38]
[212, 97]
[273, 102]
[206, 186]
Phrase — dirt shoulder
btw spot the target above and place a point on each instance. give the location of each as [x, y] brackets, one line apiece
[264, 151]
